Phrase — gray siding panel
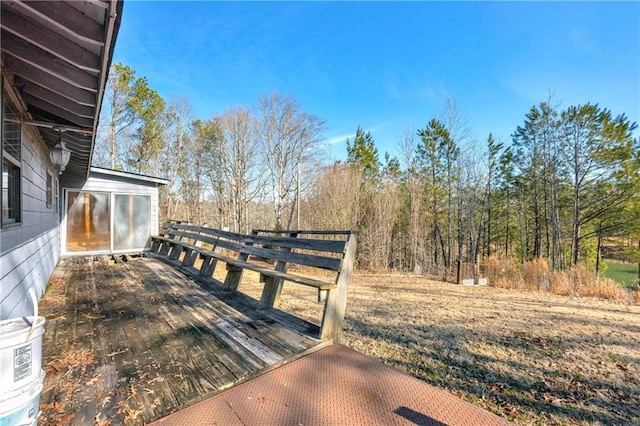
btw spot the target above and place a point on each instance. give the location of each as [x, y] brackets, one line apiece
[25, 267]
[30, 250]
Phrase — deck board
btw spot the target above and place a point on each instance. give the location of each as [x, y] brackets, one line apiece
[133, 341]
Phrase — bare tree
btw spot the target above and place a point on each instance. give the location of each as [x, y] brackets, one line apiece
[377, 232]
[172, 159]
[290, 138]
[116, 119]
[334, 201]
[457, 123]
[414, 189]
[241, 165]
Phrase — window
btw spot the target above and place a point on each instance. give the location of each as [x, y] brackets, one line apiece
[49, 190]
[100, 221]
[52, 192]
[10, 193]
[132, 221]
[56, 189]
[88, 221]
[11, 161]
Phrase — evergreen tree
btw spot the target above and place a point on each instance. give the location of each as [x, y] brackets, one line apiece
[494, 148]
[364, 154]
[434, 158]
[599, 158]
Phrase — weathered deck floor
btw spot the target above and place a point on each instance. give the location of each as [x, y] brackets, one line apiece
[134, 341]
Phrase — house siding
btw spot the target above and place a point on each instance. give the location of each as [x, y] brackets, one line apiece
[30, 250]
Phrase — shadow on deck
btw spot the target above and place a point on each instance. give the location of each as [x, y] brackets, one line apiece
[131, 342]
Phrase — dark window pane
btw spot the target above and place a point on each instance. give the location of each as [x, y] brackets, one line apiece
[10, 193]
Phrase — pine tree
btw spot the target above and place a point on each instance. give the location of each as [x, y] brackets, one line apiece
[364, 154]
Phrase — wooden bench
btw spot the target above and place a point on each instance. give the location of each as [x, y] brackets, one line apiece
[269, 253]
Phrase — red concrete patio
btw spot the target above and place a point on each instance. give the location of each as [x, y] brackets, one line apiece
[335, 386]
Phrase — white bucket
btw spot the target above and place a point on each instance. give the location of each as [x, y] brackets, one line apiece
[22, 407]
[20, 350]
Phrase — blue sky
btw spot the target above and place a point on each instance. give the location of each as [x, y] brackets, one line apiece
[389, 66]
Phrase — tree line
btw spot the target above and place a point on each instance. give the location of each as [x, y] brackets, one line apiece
[247, 167]
[568, 179]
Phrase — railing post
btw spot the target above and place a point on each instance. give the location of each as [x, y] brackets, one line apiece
[273, 286]
[234, 273]
[336, 303]
[208, 266]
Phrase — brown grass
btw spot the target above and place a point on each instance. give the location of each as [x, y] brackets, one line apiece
[536, 275]
[532, 357]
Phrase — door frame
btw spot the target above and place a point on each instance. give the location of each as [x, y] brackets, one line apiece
[112, 224]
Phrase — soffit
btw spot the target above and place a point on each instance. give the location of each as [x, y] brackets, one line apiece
[57, 55]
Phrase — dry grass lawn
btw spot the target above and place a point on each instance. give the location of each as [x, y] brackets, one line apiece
[534, 358]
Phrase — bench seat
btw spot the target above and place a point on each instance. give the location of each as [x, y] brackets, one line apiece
[231, 262]
[182, 244]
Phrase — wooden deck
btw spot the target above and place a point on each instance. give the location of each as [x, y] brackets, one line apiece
[133, 341]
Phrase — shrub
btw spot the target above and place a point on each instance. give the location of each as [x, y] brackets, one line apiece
[503, 272]
[535, 275]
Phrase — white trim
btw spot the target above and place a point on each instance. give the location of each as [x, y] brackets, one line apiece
[63, 222]
[128, 175]
[11, 159]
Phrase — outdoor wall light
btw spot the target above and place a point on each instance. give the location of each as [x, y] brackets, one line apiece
[60, 155]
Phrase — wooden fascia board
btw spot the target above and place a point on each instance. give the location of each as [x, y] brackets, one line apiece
[114, 16]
